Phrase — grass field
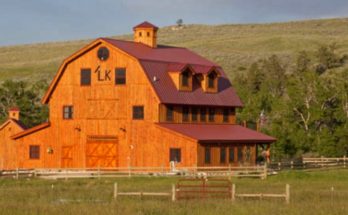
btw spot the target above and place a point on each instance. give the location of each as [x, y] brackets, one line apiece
[234, 47]
[310, 194]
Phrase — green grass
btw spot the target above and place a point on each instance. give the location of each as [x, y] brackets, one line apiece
[310, 194]
[231, 46]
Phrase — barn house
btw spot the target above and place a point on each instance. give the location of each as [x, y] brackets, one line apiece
[117, 103]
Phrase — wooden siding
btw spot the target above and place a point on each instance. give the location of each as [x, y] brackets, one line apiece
[8, 146]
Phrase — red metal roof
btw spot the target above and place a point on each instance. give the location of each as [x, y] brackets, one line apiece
[218, 133]
[146, 25]
[157, 61]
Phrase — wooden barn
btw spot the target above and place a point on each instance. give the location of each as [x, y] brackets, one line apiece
[120, 103]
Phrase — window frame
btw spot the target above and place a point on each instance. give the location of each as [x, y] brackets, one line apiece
[203, 115]
[175, 153]
[194, 114]
[69, 112]
[223, 155]
[34, 152]
[89, 82]
[170, 113]
[225, 118]
[207, 155]
[185, 115]
[119, 81]
[211, 114]
[135, 113]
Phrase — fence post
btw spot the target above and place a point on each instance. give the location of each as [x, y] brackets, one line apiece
[292, 164]
[233, 193]
[344, 161]
[98, 171]
[264, 176]
[173, 192]
[322, 161]
[279, 166]
[17, 173]
[287, 193]
[115, 190]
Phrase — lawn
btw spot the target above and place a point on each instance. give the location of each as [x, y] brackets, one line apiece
[311, 193]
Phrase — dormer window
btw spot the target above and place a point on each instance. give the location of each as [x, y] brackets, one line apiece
[185, 80]
[148, 34]
[211, 81]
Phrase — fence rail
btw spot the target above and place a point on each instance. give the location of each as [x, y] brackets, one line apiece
[229, 171]
[204, 190]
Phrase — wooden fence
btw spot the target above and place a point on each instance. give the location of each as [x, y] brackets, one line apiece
[202, 189]
[231, 171]
[311, 163]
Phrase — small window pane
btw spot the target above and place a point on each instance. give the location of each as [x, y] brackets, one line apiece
[211, 114]
[240, 153]
[175, 154]
[185, 76]
[170, 113]
[68, 112]
[211, 80]
[207, 155]
[194, 114]
[231, 153]
[34, 152]
[203, 114]
[226, 114]
[120, 76]
[85, 77]
[185, 114]
[222, 155]
[138, 112]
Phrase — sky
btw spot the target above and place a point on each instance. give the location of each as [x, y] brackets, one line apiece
[32, 21]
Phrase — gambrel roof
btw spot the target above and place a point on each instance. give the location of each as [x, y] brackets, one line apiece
[156, 63]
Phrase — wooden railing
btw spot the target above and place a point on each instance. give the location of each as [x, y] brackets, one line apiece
[203, 172]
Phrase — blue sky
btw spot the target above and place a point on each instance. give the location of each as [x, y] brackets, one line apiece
[31, 21]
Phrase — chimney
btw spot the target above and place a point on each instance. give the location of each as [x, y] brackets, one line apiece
[146, 33]
[13, 113]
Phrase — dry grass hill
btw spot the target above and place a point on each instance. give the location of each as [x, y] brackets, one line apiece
[233, 46]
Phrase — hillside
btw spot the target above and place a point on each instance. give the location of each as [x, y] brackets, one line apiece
[234, 47]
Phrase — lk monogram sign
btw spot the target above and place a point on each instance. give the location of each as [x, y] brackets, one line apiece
[103, 75]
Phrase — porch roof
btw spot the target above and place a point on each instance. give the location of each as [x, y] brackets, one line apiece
[218, 133]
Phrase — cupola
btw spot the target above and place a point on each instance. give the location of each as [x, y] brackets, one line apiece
[146, 33]
[13, 113]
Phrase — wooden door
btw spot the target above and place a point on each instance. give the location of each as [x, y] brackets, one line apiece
[101, 152]
[67, 158]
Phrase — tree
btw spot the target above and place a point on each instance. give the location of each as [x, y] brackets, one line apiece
[18, 94]
[179, 22]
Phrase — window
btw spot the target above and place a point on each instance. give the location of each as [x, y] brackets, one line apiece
[138, 112]
[207, 155]
[248, 154]
[85, 77]
[203, 114]
[34, 152]
[175, 154]
[185, 114]
[226, 114]
[170, 113]
[194, 114]
[222, 155]
[211, 114]
[185, 79]
[211, 80]
[231, 153]
[240, 154]
[68, 112]
[120, 76]
[148, 33]
[140, 34]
